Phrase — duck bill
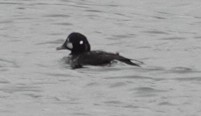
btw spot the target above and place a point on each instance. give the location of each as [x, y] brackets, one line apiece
[61, 47]
[65, 46]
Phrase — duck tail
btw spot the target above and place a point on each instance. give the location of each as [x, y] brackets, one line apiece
[128, 61]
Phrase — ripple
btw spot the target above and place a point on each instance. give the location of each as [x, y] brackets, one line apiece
[56, 74]
[147, 91]
[11, 3]
[118, 84]
[64, 24]
[129, 77]
[198, 78]
[156, 32]
[115, 103]
[4, 82]
[152, 69]
[123, 36]
[166, 104]
[80, 114]
[59, 41]
[92, 84]
[182, 70]
[20, 88]
[57, 15]
[197, 37]
[173, 38]
[6, 21]
[43, 4]
[164, 13]
[32, 95]
[94, 11]
[8, 63]
[112, 102]
[159, 17]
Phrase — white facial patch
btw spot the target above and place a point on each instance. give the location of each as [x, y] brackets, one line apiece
[67, 39]
[69, 45]
[81, 42]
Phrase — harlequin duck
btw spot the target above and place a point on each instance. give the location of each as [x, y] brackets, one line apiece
[81, 53]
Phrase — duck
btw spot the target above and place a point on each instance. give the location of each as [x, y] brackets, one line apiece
[81, 53]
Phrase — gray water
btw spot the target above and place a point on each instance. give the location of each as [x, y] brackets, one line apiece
[165, 35]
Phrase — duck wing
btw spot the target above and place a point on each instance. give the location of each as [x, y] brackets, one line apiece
[102, 58]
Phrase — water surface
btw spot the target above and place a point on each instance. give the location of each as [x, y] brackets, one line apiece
[165, 35]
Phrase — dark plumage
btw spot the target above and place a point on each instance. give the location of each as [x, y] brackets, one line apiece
[81, 53]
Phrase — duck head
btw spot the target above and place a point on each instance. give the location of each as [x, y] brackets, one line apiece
[77, 43]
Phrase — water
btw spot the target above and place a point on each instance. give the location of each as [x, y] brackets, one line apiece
[165, 35]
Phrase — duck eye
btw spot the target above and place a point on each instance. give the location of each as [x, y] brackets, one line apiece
[81, 42]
